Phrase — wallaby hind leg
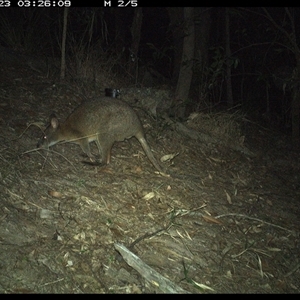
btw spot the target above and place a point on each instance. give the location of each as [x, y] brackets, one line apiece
[105, 151]
[149, 153]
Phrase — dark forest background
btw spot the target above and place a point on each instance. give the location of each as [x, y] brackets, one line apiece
[210, 58]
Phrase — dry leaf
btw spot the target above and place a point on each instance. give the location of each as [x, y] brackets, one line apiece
[149, 196]
[55, 194]
[168, 157]
[228, 197]
[138, 170]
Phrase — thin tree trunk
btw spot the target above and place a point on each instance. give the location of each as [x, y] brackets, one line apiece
[186, 67]
[176, 27]
[228, 56]
[135, 44]
[63, 45]
[295, 105]
[202, 39]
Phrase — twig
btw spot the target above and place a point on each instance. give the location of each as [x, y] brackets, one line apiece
[293, 270]
[145, 236]
[255, 219]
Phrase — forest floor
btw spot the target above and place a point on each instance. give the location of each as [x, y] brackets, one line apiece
[224, 222]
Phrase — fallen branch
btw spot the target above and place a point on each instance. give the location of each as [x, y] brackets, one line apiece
[164, 284]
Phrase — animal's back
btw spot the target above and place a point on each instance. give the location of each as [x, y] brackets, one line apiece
[110, 117]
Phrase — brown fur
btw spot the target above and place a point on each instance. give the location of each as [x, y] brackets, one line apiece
[104, 120]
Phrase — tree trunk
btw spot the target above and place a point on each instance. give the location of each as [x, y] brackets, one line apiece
[135, 43]
[186, 67]
[228, 56]
[202, 39]
[176, 27]
[63, 45]
[295, 105]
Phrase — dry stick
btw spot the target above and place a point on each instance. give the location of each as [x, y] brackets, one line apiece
[164, 284]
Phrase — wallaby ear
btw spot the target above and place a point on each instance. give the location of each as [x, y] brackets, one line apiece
[54, 122]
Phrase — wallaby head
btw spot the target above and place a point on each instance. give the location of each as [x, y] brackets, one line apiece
[51, 134]
[72, 130]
